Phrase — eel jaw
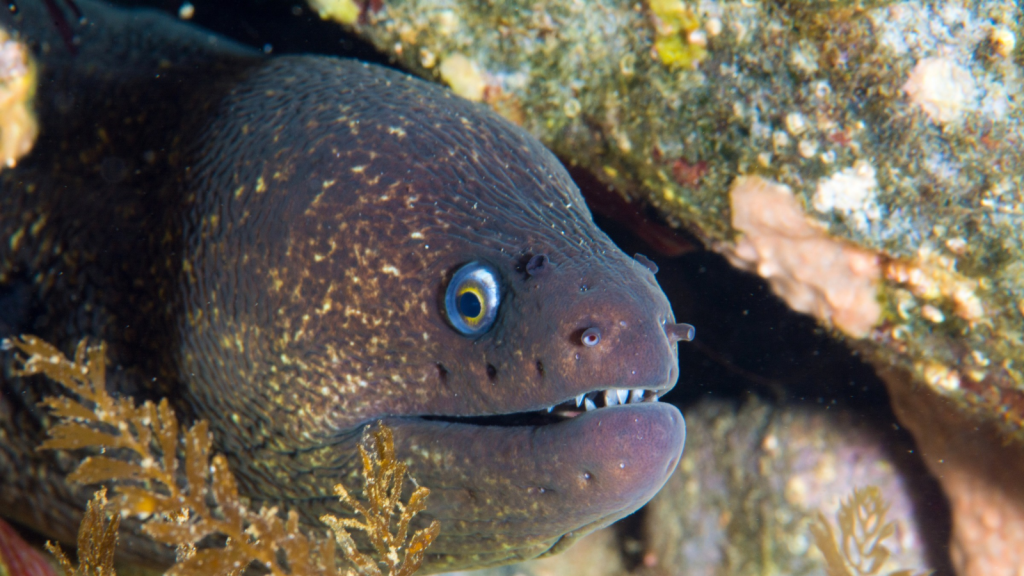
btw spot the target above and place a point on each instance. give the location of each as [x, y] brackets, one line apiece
[555, 413]
[505, 493]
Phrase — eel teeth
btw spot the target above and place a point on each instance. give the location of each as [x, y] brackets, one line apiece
[611, 398]
[604, 398]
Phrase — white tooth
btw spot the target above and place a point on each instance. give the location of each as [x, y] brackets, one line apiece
[550, 408]
[579, 400]
[637, 395]
[609, 398]
[623, 395]
[588, 404]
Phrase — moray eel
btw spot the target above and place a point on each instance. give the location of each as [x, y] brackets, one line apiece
[294, 247]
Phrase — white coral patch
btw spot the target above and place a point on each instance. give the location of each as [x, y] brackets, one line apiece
[852, 192]
[941, 88]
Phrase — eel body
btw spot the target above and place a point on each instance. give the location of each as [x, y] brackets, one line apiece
[272, 243]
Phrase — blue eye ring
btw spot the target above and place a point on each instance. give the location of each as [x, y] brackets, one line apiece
[472, 298]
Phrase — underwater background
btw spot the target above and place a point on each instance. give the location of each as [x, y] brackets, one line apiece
[831, 192]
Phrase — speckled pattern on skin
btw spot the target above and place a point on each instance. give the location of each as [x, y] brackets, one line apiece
[268, 242]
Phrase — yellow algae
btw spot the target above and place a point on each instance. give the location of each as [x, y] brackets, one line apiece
[341, 11]
[679, 41]
[18, 125]
[1003, 41]
[463, 76]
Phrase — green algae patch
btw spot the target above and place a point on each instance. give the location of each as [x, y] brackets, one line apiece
[678, 38]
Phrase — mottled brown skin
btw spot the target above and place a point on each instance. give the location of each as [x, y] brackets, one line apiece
[267, 242]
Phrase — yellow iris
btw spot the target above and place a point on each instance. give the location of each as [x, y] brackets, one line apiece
[468, 308]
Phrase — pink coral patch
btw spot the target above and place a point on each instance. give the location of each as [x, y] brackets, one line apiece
[809, 269]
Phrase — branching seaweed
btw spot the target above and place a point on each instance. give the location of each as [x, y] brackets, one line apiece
[143, 464]
[862, 529]
[97, 540]
[383, 489]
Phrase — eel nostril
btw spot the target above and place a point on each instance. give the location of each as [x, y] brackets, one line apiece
[591, 337]
[537, 266]
[646, 262]
[677, 332]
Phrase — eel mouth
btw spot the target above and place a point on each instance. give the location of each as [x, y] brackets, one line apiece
[560, 412]
[517, 486]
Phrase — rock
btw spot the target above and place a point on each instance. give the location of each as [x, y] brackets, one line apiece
[980, 472]
[753, 479]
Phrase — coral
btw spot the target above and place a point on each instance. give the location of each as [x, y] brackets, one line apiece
[859, 551]
[140, 446]
[852, 192]
[941, 88]
[97, 540]
[812, 271]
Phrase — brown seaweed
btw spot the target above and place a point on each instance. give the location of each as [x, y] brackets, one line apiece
[97, 540]
[140, 447]
[859, 551]
[383, 489]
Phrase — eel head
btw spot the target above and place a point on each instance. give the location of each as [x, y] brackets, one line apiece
[365, 246]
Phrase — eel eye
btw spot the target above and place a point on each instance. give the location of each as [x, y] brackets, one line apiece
[472, 298]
